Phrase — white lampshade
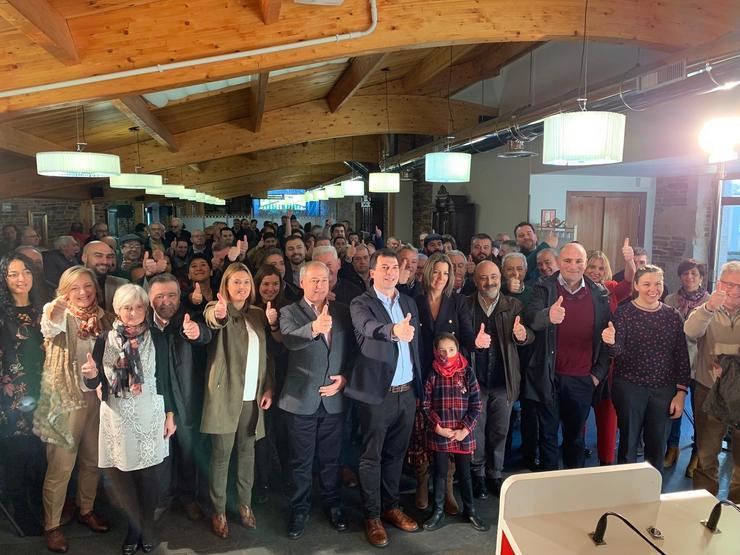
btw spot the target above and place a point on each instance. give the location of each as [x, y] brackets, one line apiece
[353, 188]
[188, 194]
[200, 197]
[321, 194]
[385, 182]
[219, 201]
[135, 181]
[447, 167]
[160, 190]
[77, 164]
[335, 191]
[583, 138]
[174, 191]
[719, 137]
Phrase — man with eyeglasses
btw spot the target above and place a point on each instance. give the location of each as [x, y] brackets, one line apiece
[715, 326]
[29, 237]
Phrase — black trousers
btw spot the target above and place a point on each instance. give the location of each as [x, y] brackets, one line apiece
[462, 465]
[320, 435]
[570, 406]
[23, 463]
[181, 473]
[386, 430]
[137, 491]
[642, 412]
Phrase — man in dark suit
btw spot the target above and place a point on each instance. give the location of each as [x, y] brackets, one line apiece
[318, 336]
[386, 383]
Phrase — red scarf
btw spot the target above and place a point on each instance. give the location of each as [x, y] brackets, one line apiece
[448, 367]
[88, 322]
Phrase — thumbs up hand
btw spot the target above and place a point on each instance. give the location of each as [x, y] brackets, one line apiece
[403, 330]
[482, 340]
[515, 285]
[196, 297]
[89, 369]
[404, 272]
[272, 314]
[557, 312]
[609, 334]
[150, 265]
[470, 268]
[190, 328]
[221, 309]
[322, 324]
[160, 262]
[59, 305]
[520, 332]
[235, 252]
[627, 252]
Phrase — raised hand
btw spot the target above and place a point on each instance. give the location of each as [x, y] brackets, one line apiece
[520, 332]
[271, 313]
[351, 249]
[482, 340]
[243, 246]
[404, 272]
[160, 262]
[338, 383]
[515, 285]
[552, 239]
[89, 369]
[557, 312]
[378, 232]
[59, 305]
[470, 269]
[404, 331]
[628, 253]
[190, 328]
[221, 308]
[609, 334]
[196, 297]
[149, 264]
[236, 251]
[322, 324]
[717, 298]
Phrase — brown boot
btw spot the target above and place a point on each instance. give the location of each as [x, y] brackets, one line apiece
[247, 516]
[220, 525]
[451, 506]
[55, 540]
[421, 499]
[671, 456]
[693, 463]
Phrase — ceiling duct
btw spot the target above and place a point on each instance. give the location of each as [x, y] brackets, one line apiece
[360, 168]
[515, 149]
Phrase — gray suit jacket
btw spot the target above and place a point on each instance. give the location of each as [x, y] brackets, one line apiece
[311, 361]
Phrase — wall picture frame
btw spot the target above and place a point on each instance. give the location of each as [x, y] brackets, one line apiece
[547, 215]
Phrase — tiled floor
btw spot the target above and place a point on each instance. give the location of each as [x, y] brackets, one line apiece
[180, 536]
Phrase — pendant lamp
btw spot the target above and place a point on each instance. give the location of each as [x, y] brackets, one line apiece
[447, 167]
[334, 191]
[321, 194]
[385, 182]
[135, 180]
[353, 188]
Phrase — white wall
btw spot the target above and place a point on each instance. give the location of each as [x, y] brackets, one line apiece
[550, 191]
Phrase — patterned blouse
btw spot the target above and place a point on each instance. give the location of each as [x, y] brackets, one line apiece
[21, 364]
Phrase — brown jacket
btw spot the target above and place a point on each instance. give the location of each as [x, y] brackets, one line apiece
[716, 333]
[227, 358]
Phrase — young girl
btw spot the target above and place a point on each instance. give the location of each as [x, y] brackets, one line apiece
[651, 372]
[452, 406]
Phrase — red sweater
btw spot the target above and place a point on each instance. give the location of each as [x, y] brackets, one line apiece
[574, 343]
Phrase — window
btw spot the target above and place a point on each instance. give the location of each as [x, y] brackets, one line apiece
[729, 224]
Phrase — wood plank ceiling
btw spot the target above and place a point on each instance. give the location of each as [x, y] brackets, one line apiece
[303, 111]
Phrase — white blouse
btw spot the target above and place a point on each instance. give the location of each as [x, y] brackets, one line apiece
[252, 367]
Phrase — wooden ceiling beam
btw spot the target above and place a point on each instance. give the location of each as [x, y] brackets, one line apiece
[196, 167]
[257, 97]
[352, 79]
[155, 33]
[21, 142]
[136, 109]
[44, 25]
[436, 62]
[270, 11]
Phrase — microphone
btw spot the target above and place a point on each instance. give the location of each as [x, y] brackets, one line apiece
[598, 534]
[713, 520]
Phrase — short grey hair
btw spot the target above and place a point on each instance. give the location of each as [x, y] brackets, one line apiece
[454, 252]
[64, 240]
[313, 264]
[407, 247]
[731, 266]
[127, 295]
[325, 249]
[514, 255]
[548, 250]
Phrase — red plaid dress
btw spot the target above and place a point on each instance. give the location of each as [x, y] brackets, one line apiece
[452, 403]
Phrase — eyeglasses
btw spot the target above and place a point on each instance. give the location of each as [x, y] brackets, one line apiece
[729, 285]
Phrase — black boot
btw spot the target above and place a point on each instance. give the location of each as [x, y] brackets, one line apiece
[469, 512]
[438, 515]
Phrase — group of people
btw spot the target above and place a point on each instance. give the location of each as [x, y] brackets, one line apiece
[157, 356]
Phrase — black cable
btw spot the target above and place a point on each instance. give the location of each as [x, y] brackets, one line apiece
[584, 62]
[598, 534]
[713, 519]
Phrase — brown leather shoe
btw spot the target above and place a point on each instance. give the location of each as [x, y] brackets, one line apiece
[68, 512]
[55, 540]
[220, 525]
[93, 522]
[375, 532]
[247, 516]
[400, 520]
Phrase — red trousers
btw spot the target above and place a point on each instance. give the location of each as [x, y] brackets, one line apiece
[606, 430]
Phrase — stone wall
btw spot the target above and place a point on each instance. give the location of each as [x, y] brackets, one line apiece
[423, 205]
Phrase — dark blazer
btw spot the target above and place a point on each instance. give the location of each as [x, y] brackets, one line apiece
[539, 384]
[55, 264]
[345, 291]
[453, 318]
[376, 364]
[311, 361]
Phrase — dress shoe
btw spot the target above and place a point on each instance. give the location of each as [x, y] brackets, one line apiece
[93, 522]
[480, 491]
[147, 546]
[693, 463]
[297, 525]
[192, 510]
[435, 521]
[68, 512]
[375, 532]
[494, 485]
[400, 520]
[220, 526]
[336, 517]
[475, 521]
[247, 516]
[671, 456]
[129, 548]
[55, 540]
[349, 478]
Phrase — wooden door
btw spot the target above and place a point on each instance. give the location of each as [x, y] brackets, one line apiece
[605, 219]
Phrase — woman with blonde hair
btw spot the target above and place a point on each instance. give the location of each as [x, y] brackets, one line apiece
[239, 387]
[68, 413]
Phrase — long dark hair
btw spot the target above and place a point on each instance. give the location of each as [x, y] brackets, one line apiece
[264, 271]
[7, 302]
